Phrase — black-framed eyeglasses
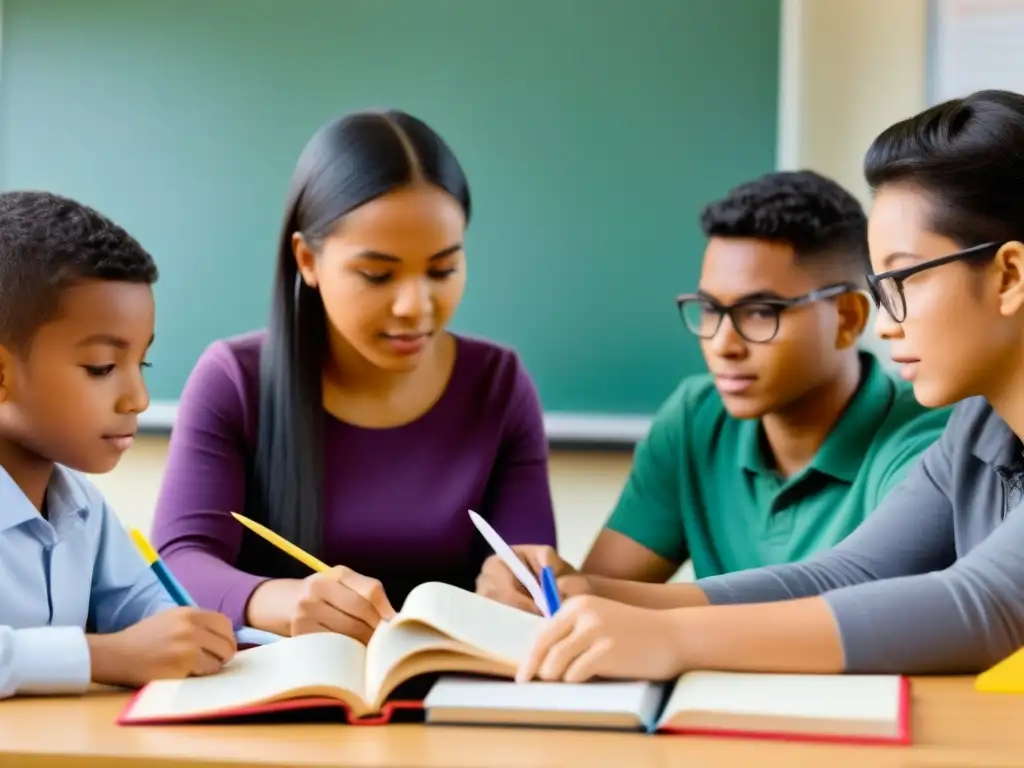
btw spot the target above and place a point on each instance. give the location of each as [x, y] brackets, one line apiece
[886, 288]
[756, 320]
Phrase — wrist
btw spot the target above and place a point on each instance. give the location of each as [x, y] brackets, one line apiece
[683, 636]
[271, 605]
[103, 660]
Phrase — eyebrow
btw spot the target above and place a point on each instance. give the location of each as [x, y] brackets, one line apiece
[756, 296]
[888, 260]
[109, 340]
[378, 256]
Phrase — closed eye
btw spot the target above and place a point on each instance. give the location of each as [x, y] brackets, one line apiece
[441, 274]
[99, 371]
[377, 278]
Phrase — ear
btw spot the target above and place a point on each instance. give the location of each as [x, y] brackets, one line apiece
[305, 259]
[7, 363]
[854, 309]
[1009, 263]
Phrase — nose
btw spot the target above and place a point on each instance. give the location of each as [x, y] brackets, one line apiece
[135, 398]
[885, 327]
[413, 299]
[727, 342]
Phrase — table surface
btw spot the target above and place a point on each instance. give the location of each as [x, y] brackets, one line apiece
[953, 725]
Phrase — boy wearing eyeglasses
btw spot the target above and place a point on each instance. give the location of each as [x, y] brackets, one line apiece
[795, 434]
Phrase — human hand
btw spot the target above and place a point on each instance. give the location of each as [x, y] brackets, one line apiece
[343, 601]
[594, 637]
[497, 582]
[176, 643]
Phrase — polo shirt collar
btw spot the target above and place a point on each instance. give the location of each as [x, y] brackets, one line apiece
[63, 497]
[842, 453]
[997, 445]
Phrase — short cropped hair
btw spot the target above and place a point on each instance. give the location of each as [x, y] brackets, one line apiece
[47, 244]
[813, 214]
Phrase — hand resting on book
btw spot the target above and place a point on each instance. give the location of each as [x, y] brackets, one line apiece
[593, 637]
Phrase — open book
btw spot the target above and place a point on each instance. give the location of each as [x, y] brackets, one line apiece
[441, 628]
[848, 708]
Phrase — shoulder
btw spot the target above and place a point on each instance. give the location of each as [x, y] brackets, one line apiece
[235, 356]
[224, 383]
[492, 389]
[232, 362]
[484, 366]
[481, 361]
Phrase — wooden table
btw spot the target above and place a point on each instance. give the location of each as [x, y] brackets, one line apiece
[954, 726]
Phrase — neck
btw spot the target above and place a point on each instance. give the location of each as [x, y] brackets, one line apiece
[1007, 395]
[29, 471]
[796, 433]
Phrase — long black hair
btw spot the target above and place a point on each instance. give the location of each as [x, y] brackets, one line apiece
[348, 162]
[967, 155]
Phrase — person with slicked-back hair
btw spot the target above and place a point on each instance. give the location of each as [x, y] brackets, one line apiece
[355, 426]
[933, 580]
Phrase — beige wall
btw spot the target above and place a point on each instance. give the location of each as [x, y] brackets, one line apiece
[849, 68]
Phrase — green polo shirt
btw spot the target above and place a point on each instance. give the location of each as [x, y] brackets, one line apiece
[701, 487]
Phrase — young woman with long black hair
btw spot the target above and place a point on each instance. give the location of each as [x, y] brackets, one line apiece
[356, 426]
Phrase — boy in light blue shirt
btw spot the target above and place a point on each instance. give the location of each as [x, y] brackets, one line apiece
[77, 602]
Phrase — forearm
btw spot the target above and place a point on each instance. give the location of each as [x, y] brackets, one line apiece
[830, 570]
[272, 605]
[798, 636]
[936, 623]
[644, 595]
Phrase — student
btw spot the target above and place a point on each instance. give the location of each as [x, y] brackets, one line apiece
[795, 435]
[76, 319]
[357, 426]
[933, 581]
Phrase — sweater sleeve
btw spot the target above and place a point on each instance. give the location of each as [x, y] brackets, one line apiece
[518, 499]
[204, 481]
[902, 600]
[910, 533]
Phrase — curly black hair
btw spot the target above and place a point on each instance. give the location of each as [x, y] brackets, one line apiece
[813, 214]
[48, 243]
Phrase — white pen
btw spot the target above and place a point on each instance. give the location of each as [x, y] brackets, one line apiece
[518, 568]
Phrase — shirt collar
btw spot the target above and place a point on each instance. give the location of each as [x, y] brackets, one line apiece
[842, 453]
[64, 497]
[996, 444]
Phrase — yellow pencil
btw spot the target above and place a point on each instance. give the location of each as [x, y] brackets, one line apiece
[145, 548]
[285, 546]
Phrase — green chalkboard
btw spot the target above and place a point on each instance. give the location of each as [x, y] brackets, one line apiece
[591, 130]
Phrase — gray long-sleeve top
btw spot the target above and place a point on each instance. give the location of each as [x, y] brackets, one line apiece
[933, 580]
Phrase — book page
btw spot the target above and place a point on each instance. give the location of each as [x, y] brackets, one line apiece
[319, 664]
[452, 624]
[849, 698]
[500, 631]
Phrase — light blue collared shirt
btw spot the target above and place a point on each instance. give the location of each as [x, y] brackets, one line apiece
[60, 577]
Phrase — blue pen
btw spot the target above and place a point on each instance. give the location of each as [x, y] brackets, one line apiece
[245, 635]
[547, 582]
